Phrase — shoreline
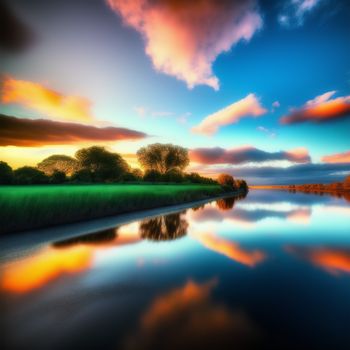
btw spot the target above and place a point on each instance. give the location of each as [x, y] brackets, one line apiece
[300, 189]
[36, 237]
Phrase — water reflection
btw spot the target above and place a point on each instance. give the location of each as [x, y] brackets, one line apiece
[225, 203]
[187, 316]
[96, 238]
[164, 228]
[281, 263]
[43, 267]
[333, 260]
[230, 249]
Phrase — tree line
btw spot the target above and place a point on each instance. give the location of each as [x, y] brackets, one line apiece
[161, 163]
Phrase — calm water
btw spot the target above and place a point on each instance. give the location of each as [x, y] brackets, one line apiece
[271, 271]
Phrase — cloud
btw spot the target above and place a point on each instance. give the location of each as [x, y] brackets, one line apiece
[15, 35]
[183, 38]
[337, 158]
[294, 11]
[44, 100]
[267, 131]
[247, 107]
[143, 111]
[320, 109]
[39, 132]
[276, 104]
[217, 155]
[295, 174]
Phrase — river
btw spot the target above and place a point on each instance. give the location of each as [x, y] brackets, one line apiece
[269, 271]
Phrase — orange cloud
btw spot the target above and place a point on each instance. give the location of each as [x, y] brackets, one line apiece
[40, 132]
[337, 158]
[197, 321]
[247, 107]
[183, 38]
[44, 100]
[231, 250]
[320, 109]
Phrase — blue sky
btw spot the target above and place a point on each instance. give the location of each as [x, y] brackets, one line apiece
[89, 49]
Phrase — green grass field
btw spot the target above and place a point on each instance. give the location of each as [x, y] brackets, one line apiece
[28, 207]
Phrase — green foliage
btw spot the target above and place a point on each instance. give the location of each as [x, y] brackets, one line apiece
[6, 174]
[58, 177]
[58, 162]
[135, 175]
[173, 175]
[83, 175]
[105, 166]
[163, 157]
[197, 179]
[152, 176]
[42, 206]
[29, 176]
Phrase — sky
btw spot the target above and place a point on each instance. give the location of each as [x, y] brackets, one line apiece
[257, 89]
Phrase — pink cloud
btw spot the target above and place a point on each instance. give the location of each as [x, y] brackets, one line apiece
[247, 107]
[337, 158]
[246, 154]
[183, 38]
[321, 108]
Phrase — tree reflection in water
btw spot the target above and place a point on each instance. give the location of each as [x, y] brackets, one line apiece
[92, 238]
[225, 203]
[164, 228]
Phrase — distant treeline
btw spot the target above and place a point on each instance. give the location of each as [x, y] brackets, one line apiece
[161, 163]
[317, 188]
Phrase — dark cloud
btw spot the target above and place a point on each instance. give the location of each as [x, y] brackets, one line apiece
[217, 155]
[296, 174]
[39, 132]
[15, 35]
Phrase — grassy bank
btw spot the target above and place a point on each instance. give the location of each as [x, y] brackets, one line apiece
[29, 207]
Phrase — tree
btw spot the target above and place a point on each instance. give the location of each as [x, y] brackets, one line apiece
[173, 175]
[59, 162]
[347, 182]
[29, 176]
[163, 157]
[241, 184]
[137, 173]
[6, 174]
[58, 177]
[83, 175]
[226, 180]
[104, 165]
[196, 178]
[152, 176]
[132, 176]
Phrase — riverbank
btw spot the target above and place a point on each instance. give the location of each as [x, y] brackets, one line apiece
[337, 191]
[32, 207]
